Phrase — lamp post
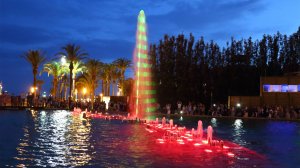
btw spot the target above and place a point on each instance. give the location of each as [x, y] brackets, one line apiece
[101, 97]
[33, 92]
[63, 60]
[1, 88]
[84, 92]
[76, 93]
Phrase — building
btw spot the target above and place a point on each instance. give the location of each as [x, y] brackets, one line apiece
[284, 91]
[1, 87]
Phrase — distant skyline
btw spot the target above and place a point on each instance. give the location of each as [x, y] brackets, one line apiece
[106, 29]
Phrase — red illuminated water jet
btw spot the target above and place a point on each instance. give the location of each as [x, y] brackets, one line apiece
[142, 100]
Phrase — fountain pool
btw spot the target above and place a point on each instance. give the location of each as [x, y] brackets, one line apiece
[58, 138]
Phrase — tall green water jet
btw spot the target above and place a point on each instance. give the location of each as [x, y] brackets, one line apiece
[142, 100]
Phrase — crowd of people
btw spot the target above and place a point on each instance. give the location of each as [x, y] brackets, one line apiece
[271, 112]
[190, 108]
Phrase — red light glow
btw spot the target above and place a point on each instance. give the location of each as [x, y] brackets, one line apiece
[208, 150]
[225, 147]
[230, 154]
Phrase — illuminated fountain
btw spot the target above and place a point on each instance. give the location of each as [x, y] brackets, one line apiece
[200, 130]
[209, 134]
[168, 136]
[142, 100]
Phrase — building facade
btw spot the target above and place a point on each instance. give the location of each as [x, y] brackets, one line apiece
[283, 91]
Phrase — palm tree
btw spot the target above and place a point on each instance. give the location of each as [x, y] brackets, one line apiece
[79, 67]
[56, 70]
[115, 75]
[91, 77]
[128, 85]
[122, 64]
[35, 58]
[106, 77]
[73, 54]
[39, 83]
[63, 86]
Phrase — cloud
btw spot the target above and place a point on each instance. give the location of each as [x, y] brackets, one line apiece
[106, 29]
[205, 16]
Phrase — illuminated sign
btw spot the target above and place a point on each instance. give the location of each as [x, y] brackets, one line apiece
[281, 88]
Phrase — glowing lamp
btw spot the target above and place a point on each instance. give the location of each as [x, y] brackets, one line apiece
[32, 89]
[63, 60]
[84, 90]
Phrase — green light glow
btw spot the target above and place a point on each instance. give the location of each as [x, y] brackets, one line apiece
[140, 55]
[144, 74]
[147, 92]
[144, 94]
[152, 100]
[143, 65]
[142, 38]
[143, 47]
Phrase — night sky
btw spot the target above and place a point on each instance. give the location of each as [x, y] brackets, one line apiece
[106, 28]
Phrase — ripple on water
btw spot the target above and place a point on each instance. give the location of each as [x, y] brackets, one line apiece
[58, 139]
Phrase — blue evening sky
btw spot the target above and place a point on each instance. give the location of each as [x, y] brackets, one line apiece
[106, 28]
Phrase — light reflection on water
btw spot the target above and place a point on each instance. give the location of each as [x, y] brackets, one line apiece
[60, 139]
[238, 132]
[55, 140]
[214, 122]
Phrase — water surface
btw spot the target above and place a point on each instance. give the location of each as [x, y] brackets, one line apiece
[58, 138]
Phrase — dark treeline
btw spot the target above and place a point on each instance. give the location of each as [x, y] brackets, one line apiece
[194, 70]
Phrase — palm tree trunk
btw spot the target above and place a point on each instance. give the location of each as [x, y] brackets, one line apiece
[34, 84]
[65, 93]
[102, 89]
[71, 82]
[113, 88]
[73, 89]
[92, 98]
[55, 85]
[108, 88]
[122, 83]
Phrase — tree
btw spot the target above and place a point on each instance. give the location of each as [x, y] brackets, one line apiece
[91, 77]
[79, 67]
[106, 78]
[56, 70]
[115, 76]
[73, 53]
[128, 85]
[35, 58]
[122, 64]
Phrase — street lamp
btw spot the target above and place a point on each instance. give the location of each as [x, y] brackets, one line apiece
[63, 60]
[32, 90]
[84, 92]
[1, 88]
[101, 97]
[76, 92]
